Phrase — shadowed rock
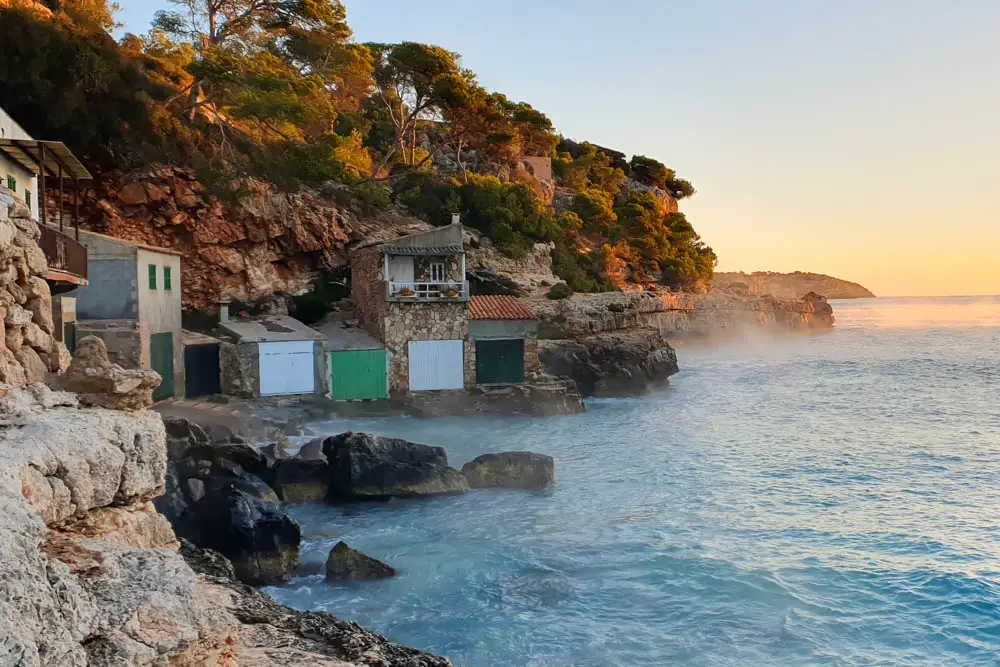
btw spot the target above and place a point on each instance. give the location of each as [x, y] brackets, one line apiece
[261, 541]
[302, 481]
[511, 470]
[347, 564]
[366, 466]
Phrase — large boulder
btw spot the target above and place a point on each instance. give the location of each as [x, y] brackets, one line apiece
[298, 481]
[261, 541]
[347, 564]
[225, 474]
[101, 383]
[611, 364]
[364, 466]
[511, 470]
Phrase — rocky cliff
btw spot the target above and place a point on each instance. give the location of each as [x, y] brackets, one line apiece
[788, 285]
[91, 574]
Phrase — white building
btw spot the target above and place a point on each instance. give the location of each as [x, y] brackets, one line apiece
[13, 174]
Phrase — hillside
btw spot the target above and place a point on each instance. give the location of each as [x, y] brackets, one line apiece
[790, 285]
[263, 140]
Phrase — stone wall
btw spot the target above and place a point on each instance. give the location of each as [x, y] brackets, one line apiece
[123, 338]
[452, 268]
[28, 350]
[239, 369]
[424, 321]
[367, 290]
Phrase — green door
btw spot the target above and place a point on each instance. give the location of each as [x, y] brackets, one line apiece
[161, 356]
[500, 361]
[358, 375]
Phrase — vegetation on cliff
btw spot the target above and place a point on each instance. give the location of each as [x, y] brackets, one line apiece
[280, 92]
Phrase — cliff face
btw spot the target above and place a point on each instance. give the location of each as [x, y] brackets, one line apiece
[678, 315]
[789, 285]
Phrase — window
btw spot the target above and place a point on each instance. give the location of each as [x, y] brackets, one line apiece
[152, 276]
[11, 183]
[27, 198]
[437, 272]
[166, 279]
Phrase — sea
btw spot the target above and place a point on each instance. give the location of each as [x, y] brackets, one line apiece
[829, 499]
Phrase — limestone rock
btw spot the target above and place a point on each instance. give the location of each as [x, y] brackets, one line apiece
[347, 564]
[368, 466]
[261, 541]
[101, 383]
[512, 470]
[35, 369]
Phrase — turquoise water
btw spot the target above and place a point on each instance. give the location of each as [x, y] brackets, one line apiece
[828, 500]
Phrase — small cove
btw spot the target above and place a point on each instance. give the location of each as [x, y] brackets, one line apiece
[819, 500]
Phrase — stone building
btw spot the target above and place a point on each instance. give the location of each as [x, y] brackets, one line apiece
[274, 355]
[133, 303]
[412, 296]
[503, 334]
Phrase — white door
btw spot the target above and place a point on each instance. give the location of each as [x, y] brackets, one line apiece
[436, 364]
[401, 269]
[287, 368]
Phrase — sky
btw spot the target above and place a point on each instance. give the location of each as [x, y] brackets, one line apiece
[858, 138]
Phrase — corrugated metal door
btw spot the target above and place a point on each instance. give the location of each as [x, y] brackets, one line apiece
[500, 361]
[287, 368]
[161, 358]
[358, 375]
[436, 364]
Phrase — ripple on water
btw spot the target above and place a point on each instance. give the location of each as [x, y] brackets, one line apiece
[824, 501]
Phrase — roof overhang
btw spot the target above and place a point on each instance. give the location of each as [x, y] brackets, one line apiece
[59, 160]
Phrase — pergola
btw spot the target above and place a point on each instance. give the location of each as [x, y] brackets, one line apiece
[49, 159]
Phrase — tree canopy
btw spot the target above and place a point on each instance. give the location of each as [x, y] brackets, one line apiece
[279, 90]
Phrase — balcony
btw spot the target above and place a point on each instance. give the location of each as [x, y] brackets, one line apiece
[67, 259]
[428, 292]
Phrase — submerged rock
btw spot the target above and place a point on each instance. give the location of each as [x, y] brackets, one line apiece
[364, 466]
[347, 564]
[261, 541]
[511, 470]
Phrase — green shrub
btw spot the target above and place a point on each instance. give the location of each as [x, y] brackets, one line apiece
[560, 291]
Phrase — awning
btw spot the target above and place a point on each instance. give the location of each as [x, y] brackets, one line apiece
[28, 153]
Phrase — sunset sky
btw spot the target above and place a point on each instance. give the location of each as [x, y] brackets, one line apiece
[859, 138]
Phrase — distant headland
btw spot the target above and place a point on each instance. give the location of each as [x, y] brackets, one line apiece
[790, 285]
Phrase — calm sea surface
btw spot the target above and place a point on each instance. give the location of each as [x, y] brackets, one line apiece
[827, 500]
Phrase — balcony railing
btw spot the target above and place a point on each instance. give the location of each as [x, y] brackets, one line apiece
[63, 253]
[428, 291]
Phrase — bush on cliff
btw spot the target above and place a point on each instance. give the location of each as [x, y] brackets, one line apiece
[559, 291]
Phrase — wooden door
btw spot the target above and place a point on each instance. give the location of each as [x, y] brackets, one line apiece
[436, 364]
[500, 361]
[358, 375]
[161, 356]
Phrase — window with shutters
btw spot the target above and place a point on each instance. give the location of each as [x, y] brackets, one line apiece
[27, 198]
[152, 276]
[166, 279]
[437, 272]
[11, 183]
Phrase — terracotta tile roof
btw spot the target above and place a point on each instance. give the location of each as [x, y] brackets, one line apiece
[498, 308]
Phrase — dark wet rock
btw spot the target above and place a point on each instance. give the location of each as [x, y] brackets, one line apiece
[611, 364]
[194, 489]
[273, 453]
[364, 466]
[228, 474]
[347, 564]
[312, 451]
[302, 481]
[178, 427]
[248, 456]
[275, 628]
[260, 540]
[511, 470]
